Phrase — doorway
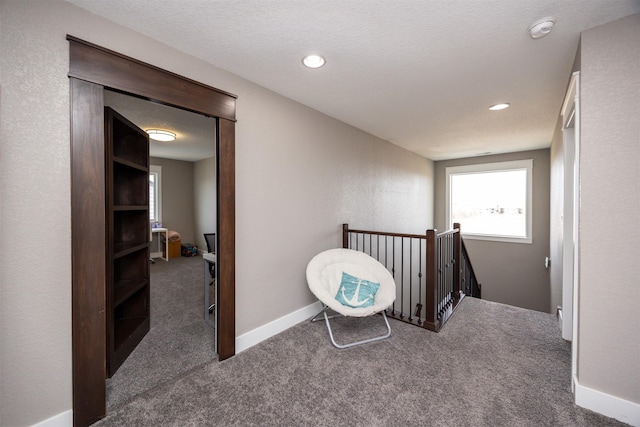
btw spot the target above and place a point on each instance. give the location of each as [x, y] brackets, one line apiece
[181, 209]
[571, 209]
[91, 70]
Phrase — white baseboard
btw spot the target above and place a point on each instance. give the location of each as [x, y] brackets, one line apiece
[63, 419]
[606, 404]
[257, 335]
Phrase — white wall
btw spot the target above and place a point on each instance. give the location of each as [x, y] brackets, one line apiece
[556, 234]
[35, 266]
[300, 174]
[204, 188]
[178, 199]
[609, 310]
[556, 220]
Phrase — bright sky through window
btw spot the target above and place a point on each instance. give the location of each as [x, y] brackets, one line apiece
[152, 196]
[491, 201]
[155, 194]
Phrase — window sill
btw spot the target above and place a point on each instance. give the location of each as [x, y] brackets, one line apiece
[491, 238]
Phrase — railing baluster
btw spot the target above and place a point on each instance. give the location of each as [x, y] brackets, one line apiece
[431, 270]
[402, 277]
[443, 283]
[450, 267]
[386, 262]
[443, 266]
[449, 271]
[447, 281]
[419, 306]
[442, 263]
[393, 265]
[440, 278]
[410, 279]
[445, 278]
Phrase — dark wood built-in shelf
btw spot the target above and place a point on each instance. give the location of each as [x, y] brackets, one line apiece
[130, 208]
[127, 236]
[124, 249]
[127, 163]
[127, 327]
[123, 289]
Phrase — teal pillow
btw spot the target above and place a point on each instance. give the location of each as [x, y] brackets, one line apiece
[355, 292]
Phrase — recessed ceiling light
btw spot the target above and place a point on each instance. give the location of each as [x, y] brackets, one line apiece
[161, 135]
[541, 27]
[497, 107]
[313, 61]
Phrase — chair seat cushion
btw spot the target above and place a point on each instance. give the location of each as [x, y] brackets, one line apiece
[355, 292]
[325, 272]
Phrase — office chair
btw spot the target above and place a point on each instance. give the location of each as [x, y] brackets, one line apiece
[210, 239]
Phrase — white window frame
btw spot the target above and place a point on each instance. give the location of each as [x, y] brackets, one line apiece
[494, 167]
[157, 171]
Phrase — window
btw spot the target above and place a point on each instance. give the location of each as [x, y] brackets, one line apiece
[491, 201]
[155, 194]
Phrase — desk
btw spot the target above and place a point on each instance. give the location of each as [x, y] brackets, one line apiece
[210, 291]
[158, 252]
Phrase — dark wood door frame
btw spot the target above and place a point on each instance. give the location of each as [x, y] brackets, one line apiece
[91, 70]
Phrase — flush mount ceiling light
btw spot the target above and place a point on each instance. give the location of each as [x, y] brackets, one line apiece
[313, 61]
[541, 27]
[161, 135]
[497, 107]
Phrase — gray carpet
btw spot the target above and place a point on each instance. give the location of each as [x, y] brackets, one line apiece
[491, 365]
[178, 339]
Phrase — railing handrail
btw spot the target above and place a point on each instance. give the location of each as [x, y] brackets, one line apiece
[384, 233]
[448, 232]
[411, 236]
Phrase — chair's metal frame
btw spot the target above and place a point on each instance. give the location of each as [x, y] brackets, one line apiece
[333, 341]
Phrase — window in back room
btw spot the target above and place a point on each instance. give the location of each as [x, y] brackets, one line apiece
[155, 194]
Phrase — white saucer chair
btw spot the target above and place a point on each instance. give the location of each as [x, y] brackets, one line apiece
[325, 278]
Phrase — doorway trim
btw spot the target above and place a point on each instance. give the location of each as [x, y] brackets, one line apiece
[570, 113]
[92, 69]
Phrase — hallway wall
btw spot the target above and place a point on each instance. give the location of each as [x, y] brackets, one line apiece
[609, 310]
[178, 201]
[300, 175]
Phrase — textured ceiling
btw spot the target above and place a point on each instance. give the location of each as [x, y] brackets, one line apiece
[418, 73]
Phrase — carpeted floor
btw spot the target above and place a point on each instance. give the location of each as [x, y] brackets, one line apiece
[178, 339]
[491, 365]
